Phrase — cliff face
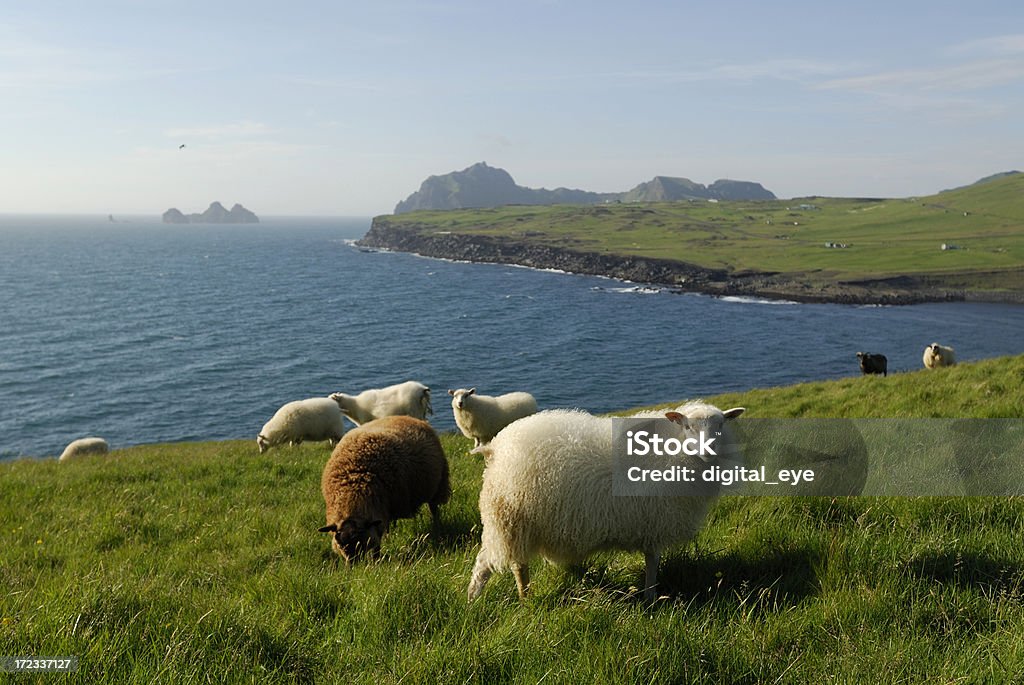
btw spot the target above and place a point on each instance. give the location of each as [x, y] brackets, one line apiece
[426, 240]
[484, 186]
[215, 214]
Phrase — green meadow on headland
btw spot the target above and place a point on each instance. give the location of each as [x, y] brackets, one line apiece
[201, 563]
[828, 249]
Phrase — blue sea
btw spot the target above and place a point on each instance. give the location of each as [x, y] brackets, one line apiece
[141, 332]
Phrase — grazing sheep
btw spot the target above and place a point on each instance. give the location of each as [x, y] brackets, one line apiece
[317, 418]
[481, 417]
[409, 398]
[936, 355]
[547, 491]
[381, 471]
[84, 446]
[873, 363]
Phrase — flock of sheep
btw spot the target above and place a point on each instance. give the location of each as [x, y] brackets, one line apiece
[935, 356]
[547, 485]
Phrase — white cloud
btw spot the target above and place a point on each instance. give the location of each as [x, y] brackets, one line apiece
[994, 46]
[27, 63]
[958, 77]
[800, 70]
[236, 129]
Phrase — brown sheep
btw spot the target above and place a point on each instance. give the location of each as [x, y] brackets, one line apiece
[381, 471]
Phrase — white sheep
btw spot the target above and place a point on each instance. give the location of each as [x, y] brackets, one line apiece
[410, 398]
[936, 355]
[83, 446]
[481, 417]
[547, 491]
[316, 418]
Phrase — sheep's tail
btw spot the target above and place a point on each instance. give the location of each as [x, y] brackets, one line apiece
[428, 410]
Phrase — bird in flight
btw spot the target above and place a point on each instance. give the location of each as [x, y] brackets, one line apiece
[181, 146]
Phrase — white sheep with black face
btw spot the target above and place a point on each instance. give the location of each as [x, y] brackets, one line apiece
[481, 417]
[936, 355]
[547, 491]
[410, 398]
[316, 418]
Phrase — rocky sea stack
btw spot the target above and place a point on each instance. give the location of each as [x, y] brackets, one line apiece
[215, 214]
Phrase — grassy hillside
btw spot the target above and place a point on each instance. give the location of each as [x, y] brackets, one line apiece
[201, 563]
[884, 237]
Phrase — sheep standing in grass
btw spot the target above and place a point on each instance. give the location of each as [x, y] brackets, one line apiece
[547, 491]
[410, 398]
[936, 355]
[873, 363]
[381, 471]
[481, 417]
[83, 447]
[316, 418]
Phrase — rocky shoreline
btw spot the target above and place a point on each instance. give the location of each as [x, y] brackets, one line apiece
[682, 277]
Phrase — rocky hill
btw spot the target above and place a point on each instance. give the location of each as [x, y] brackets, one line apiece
[670, 189]
[214, 214]
[485, 186]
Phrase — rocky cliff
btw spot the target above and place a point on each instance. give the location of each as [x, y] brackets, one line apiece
[427, 240]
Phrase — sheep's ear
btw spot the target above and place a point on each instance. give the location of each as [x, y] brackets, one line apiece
[333, 528]
[471, 391]
[451, 392]
[675, 417]
[733, 413]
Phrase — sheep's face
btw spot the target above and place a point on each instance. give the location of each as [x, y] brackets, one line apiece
[262, 443]
[704, 419]
[936, 350]
[459, 397]
[354, 537]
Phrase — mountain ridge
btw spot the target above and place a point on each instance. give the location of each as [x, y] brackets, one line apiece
[480, 186]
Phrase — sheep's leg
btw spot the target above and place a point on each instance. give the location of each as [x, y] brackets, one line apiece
[652, 559]
[522, 574]
[481, 573]
[435, 514]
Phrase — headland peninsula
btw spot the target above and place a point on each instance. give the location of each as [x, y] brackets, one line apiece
[965, 244]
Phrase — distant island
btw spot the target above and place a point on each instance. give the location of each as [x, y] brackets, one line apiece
[481, 186]
[215, 214]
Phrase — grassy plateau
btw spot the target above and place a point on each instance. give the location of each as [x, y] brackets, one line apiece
[201, 563]
[881, 238]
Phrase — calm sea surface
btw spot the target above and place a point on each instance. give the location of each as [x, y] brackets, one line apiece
[140, 332]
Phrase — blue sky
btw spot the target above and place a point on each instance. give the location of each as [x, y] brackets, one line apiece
[344, 107]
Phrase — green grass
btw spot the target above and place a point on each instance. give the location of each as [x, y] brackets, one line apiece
[201, 563]
[886, 237]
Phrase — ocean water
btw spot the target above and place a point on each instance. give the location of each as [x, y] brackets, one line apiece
[140, 332]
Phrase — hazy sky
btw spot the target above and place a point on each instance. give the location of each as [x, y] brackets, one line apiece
[313, 107]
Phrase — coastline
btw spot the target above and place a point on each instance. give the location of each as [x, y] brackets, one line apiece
[679, 276]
